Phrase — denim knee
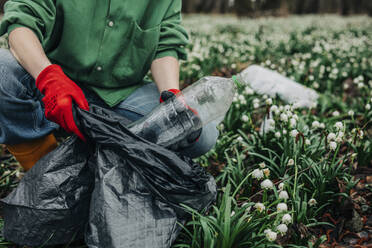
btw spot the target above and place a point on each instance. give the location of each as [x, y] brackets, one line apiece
[21, 112]
[11, 76]
[205, 143]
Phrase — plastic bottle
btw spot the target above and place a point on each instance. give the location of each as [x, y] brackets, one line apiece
[265, 81]
[173, 121]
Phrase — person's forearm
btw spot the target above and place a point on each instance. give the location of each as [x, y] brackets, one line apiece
[165, 72]
[27, 49]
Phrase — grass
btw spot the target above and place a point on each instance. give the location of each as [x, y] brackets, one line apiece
[276, 188]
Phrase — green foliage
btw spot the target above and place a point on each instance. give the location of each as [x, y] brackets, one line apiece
[298, 169]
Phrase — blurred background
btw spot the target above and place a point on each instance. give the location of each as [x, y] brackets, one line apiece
[255, 8]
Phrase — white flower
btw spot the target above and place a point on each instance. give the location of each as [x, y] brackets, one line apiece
[368, 106]
[256, 105]
[256, 100]
[315, 124]
[331, 136]
[339, 125]
[258, 174]
[295, 117]
[290, 162]
[281, 186]
[259, 206]
[287, 219]
[271, 123]
[340, 135]
[360, 134]
[248, 91]
[336, 113]
[294, 133]
[262, 165]
[241, 98]
[266, 172]
[232, 213]
[307, 142]
[271, 236]
[332, 145]
[292, 122]
[267, 184]
[312, 202]
[269, 101]
[283, 117]
[239, 139]
[274, 108]
[277, 134]
[283, 195]
[281, 207]
[284, 132]
[282, 228]
[351, 113]
[322, 125]
[245, 118]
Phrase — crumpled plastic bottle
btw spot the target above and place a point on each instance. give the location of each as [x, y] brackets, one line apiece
[175, 120]
[265, 81]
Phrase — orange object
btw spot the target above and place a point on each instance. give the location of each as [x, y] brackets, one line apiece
[27, 154]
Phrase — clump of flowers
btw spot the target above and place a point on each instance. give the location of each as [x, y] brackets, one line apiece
[312, 202]
[257, 174]
[267, 184]
[270, 235]
[281, 207]
[282, 228]
[260, 207]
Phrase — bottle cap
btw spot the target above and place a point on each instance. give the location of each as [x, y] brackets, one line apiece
[238, 84]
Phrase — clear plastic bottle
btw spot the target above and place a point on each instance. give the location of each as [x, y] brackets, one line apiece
[265, 81]
[173, 121]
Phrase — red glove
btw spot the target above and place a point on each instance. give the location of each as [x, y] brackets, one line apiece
[194, 136]
[59, 91]
[165, 95]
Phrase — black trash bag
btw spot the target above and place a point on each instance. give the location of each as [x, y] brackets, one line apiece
[118, 190]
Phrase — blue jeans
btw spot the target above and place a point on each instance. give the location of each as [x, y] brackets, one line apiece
[22, 111]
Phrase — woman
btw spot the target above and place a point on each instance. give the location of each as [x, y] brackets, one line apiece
[71, 51]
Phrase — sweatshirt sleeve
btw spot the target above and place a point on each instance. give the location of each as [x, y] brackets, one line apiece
[173, 36]
[38, 15]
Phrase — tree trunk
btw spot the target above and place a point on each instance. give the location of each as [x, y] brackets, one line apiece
[345, 7]
[224, 7]
[299, 7]
[311, 6]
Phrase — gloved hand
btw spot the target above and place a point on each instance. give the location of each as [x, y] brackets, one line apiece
[59, 91]
[193, 136]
